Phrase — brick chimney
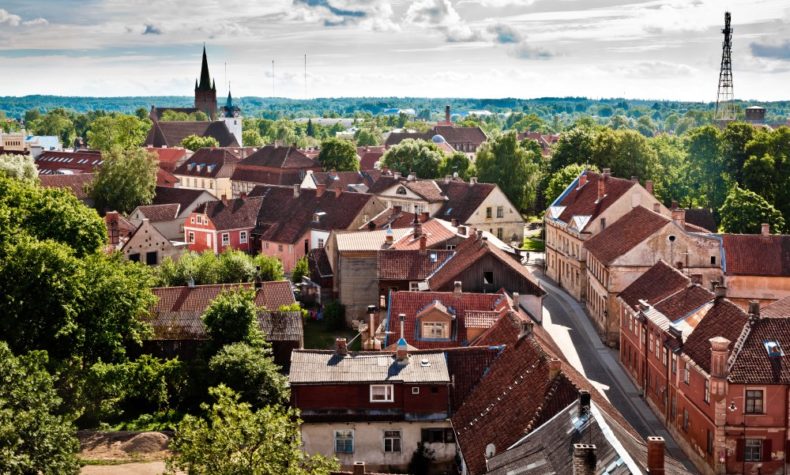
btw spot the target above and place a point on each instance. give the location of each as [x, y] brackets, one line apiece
[296, 190]
[338, 192]
[679, 217]
[457, 285]
[649, 186]
[402, 349]
[473, 180]
[719, 291]
[765, 229]
[320, 189]
[454, 222]
[602, 186]
[462, 230]
[446, 179]
[359, 468]
[417, 226]
[424, 216]
[224, 200]
[555, 366]
[584, 459]
[516, 297]
[423, 243]
[447, 114]
[341, 347]
[372, 343]
[582, 180]
[655, 455]
[719, 352]
[754, 310]
[397, 209]
[657, 207]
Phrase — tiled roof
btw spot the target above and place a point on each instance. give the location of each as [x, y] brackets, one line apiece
[342, 180]
[481, 318]
[584, 201]
[188, 325]
[165, 178]
[263, 176]
[280, 157]
[157, 213]
[170, 134]
[169, 156]
[655, 284]
[752, 363]
[428, 189]
[413, 303]
[209, 163]
[471, 250]
[232, 214]
[369, 156]
[702, 217]
[684, 301]
[463, 199]
[435, 231]
[285, 218]
[181, 196]
[55, 162]
[397, 137]
[411, 264]
[392, 218]
[383, 183]
[466, 366]
[778, 308]
[723, 319]
[453, 134]
[271, 295]
[624, 234]
[754, 254]
[367, 240]
[76, 183]
[325, 366]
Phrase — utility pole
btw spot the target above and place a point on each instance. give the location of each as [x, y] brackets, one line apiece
[725, 105]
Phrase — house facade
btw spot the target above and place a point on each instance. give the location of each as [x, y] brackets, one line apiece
[272, 165]
[208, 169]
[483, 206]
[756, 267]
[140, 242]
[218, 225]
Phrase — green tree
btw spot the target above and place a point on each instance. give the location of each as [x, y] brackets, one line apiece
[21, 167]
[744, 212]
[233, 317]
[562, 179]
[126, 179]
[251, 138]
[233, 439]
[269, 268]
[367, 137]
[56, 122]
[418, 156]
[196, 142]
[338, 155]
[250, 371]
[706, 166]
[734, 141]
[35, 437]
[459, 163]
[235, 266]
[118, 131]
[310, 131]
[759, 176]
[504, 162]
[573, 147]
[301, 269]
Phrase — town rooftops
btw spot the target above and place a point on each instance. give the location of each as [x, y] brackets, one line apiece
[209, 163]
[657, 283]
[327, 366]
[169, 157]
[347, 181]
[368, 240]
[369, 157]
[624, 234]
[724, 319]
[756, 254]
[76, 183]
[271, 295]
[463, 199]
[272, 156]
[763, 355]
[393, 218]
[578, 205]
[55, 162]
[237, 213]
[170, 134]
[702, 218]
[182, 196]
[159, 213]
[411, 264]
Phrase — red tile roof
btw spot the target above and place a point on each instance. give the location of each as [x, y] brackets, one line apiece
[456, 135]
[624, 234]
[392, 218]
[753, 364]
[239, 213]
[169, 157]
[383, 183]
[158, 213]
[369, 156]
[779, 308]
[262, 176]
[271, 295]
[683, 302]
[411, 264]
[436, 235]
[584, 201]
[413, 303]
[463, 199]
[341, 180]
[209, 163]
[165, 178]
[170, 134]
[427, 189]
[82, 161]
[657, 283]
[76, 183]
[280, 157]
[723, 319]
[754, 254]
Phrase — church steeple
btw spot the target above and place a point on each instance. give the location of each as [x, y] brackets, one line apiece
[205, 79]
[229, 102]
[205, 90]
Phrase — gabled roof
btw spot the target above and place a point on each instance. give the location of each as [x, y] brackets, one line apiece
[583, 202]
[463, 199]
[395, 138]
[342, 180]
[237, 213]
[188, 325]
[658, 282]
[410, 264]
[168, 157]
[158, 213]
[369, 156]
[280, 157]
[391, 218]
[285, 218]
[75, 183]
[119, 229]
[271, 295]
[777, 309]
[414, 303]
[754, 361]
[453, 134]
[684, 302]
[165, 178]
[437, 233]
[209, 163]
[170, 134]
[326, 366]
[367, 240]
[755, 254]
[467, 366]
[182, 196]
[471, 250]
[625, 234]
[723, 319]
[55, 162]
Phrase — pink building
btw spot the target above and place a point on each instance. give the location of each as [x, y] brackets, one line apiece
[217, 225]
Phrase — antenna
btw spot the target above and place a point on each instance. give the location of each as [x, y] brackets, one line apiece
[725, 105]
[226, 75]
[272, 78]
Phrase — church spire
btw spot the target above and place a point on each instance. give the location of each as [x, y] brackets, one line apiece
[229, 102]
[205, 79]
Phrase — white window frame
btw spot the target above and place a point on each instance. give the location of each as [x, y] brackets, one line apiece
[414, 286]
[242, 237]
[386, 393]
[320, 243]
[208, 240]
[226, 239]
[191, 237]
[429, 330]
[346, 434]
[415, 390]
[395, 438]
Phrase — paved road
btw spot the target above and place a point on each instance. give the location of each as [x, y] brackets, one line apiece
[566, 321]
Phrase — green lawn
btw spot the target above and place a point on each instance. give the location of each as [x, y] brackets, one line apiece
[533, 244]
[318, 336]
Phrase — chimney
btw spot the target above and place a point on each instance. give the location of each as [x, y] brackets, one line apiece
[655, 455]
[719, 349]
[526, 329]
[341, 347]
[555, 366]
[657, 207]
[412, 176]
[719, 291]
[582, 180]
[258, 282]
[584, 401]
[389, 239]
[359, 468]
[584, 459]
[696, 279]
[320, 189]
[402, 351]
[457, 287]
[372, 343]
[679, 217]
[754, 310]
[606, 172]
[674, 205]
[396, 175]
[649, 186]
[634, 179]
[479, 234]
[424, 216]
[515, 300]
[224, 200]
[462, 230]
[296, 190]
[601, 187]
[765, 229]
[417, 226]
[423, 243]
[454, 222]
[447, 114]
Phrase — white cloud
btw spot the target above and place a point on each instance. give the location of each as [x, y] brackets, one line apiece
[441, 14]
[36, 22]
[9, 18]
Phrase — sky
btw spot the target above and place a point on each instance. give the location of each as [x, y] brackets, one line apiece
[653, 49]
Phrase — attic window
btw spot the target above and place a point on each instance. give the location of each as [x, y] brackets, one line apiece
[449, 210]
[488, 278]
[401, 190]
[433, 257]
[773, 349]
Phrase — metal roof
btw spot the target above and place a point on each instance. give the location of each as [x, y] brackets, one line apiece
[324, 366]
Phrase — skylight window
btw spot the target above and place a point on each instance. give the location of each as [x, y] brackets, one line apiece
[773, 349]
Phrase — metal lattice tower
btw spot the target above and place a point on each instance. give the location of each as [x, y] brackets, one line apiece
[725, 101]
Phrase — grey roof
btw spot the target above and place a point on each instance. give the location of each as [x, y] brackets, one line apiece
[325, 366]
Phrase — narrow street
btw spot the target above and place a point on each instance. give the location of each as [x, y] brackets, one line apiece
[565, 319]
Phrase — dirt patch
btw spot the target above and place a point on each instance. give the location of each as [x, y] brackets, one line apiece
[124, 445]
[141, 468]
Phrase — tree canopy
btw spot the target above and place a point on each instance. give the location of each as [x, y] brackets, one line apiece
[126, 180]
[117, 131]
[232, 317]
[418, 156]
[503, 161]
[21, 167]
[250, 371]
[744, 212]
[338, 155]
[196, 142]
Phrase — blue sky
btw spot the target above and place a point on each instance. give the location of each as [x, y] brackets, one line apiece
[662, 49]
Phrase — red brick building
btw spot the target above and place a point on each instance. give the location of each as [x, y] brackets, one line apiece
[217, 225]
[272, 165]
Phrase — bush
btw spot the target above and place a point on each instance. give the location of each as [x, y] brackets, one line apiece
[335, 315]
[250, 371]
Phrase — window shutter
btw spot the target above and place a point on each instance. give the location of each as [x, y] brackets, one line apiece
[739, 450]
[767, 450]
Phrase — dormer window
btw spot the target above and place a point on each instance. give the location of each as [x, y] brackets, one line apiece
[435, 330]
[773, 349]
